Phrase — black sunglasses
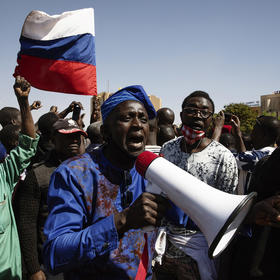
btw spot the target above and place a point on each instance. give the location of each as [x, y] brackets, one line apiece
[192, 111]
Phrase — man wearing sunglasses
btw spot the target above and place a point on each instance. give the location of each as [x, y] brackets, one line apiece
[186, 256]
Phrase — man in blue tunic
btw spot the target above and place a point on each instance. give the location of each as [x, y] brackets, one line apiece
[97, 201]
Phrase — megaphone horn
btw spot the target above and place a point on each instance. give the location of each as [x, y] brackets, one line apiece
[216, 213]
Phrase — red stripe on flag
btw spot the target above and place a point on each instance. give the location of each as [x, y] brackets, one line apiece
[58, 75]
[143, 265]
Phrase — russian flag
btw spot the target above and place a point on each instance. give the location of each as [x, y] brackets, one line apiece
[58, 52]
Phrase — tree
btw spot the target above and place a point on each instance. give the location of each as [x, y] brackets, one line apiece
[273, 114]
[246, 115]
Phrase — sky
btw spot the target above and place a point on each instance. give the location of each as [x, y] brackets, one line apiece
[228, 48]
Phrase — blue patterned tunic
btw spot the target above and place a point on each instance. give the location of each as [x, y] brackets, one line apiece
[84, 194]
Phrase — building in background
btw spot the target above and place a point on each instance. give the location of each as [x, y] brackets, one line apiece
[255, 106]
[156, 101]
[270, 103]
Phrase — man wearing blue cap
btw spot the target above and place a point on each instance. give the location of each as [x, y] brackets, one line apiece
[98, 202]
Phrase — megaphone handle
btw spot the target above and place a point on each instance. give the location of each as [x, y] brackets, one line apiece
[152, 188]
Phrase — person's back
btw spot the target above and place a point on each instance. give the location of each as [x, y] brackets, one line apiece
[263, 137]
[258, 255]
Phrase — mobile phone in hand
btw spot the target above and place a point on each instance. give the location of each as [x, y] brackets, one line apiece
[76, 112]
[228, 117]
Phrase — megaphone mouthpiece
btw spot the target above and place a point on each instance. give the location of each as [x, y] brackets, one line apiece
[143, 161]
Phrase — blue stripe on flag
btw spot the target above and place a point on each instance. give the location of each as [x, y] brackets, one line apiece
[79, 48]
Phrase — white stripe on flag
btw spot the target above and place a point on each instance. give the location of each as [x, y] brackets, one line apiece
[41, 26]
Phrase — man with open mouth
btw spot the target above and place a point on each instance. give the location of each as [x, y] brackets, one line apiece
[97, 201]
[186, 256]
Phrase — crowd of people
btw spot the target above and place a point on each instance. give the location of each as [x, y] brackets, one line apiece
[73, 206]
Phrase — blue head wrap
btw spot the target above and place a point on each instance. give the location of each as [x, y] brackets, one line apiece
[136, 93]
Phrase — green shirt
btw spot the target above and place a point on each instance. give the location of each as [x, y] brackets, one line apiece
[10, 170]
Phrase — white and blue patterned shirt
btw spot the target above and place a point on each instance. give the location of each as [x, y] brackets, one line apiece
[246, 162]
[215, 165]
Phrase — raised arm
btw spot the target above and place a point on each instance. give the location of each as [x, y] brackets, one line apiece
[237, 134]
[69, 109]
[22, 89]
[20, 157]
[218, 126]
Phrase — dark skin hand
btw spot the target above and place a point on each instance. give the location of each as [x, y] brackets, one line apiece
[148, 209]
[69, 109]
[266, 212]
[39, 275]
[218, 126]
[80, 121]
[235, 123]
[72, 105]
[36, 105]
[53, 109]
[22, 90]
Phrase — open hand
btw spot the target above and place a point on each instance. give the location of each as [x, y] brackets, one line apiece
[235, 122]
[219, 119]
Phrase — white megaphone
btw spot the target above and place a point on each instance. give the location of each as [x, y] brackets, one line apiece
[216, 213]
